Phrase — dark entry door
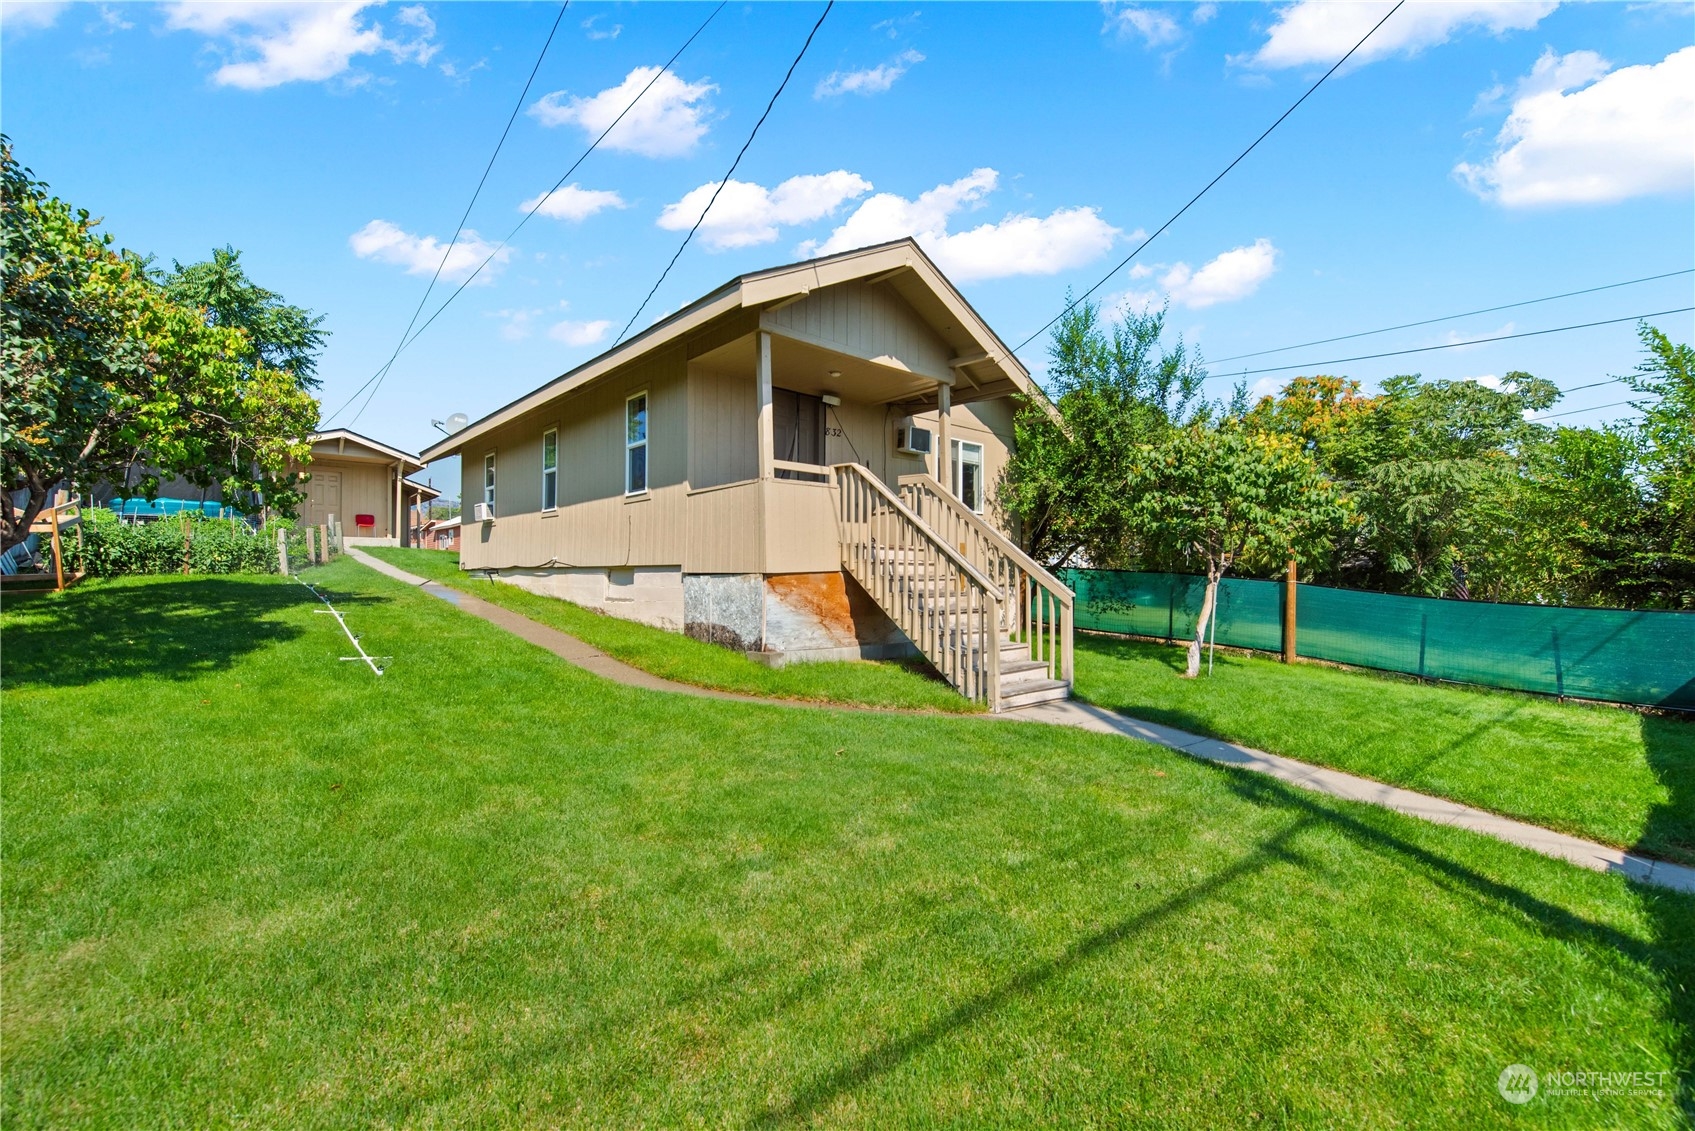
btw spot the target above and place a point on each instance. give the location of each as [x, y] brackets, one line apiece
[797, 429]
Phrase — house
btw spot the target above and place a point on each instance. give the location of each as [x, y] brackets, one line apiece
[800, 465]
[440, 534]
[362, 484]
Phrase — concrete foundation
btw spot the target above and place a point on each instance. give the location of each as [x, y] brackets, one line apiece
[786, 618]
[650, 594]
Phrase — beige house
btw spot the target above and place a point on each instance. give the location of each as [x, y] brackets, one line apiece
[801, 465]
[362, 484]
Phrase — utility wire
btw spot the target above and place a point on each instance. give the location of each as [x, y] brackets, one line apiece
[378, 377]
[1239, 157]
[1575, 411]
[483, 180]
[726, 178]
[1450, 317]
[1456, 345]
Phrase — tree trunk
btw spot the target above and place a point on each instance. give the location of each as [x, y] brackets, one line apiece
[1208, 604]
[14, 524]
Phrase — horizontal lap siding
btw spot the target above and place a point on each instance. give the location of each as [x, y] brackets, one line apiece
[595, 525]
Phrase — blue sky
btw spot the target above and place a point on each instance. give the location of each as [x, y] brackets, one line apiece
[1477, 154]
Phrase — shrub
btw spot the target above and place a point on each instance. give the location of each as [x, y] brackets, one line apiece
[214, 545]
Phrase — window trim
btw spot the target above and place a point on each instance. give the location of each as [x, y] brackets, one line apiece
[632, 445]
[550, 471]
[956, 469]
[491, 481]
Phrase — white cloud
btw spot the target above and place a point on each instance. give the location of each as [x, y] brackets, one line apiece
[1232, 275]
[579, 333]
[1631, 133]
[1016, 245]
[573, 202]
[594, 32]
[1227, 277]
[19, 16]
[272, 44]
[387, 243]
[1154, 27]
[1487, 380]
[666, 122]
[872, 80]
[1319, 31]
[747, 214]
[1201, 13]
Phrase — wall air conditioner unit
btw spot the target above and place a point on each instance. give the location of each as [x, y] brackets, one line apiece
[482, 512]
[911, 440]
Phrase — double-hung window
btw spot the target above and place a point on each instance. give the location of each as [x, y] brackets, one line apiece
[967, 461]
[488, 481]
[550, 469]
[635, 444]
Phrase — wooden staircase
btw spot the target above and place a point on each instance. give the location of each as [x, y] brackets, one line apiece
[994, 623]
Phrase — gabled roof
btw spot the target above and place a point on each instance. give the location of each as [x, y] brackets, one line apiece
[347, 435]
[900, 263]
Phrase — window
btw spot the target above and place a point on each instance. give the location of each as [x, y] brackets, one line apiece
[550, 469]
[488, 481]
[635, 444]
[967, 460]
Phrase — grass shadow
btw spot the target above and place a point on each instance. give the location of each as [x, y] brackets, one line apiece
[126, 630]
[1670, 832]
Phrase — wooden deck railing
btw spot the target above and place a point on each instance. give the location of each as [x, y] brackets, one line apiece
[944, 603]
[1038, 608]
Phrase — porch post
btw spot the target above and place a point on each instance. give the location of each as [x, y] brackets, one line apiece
[399, 479]
[767, 437]
[944, 403]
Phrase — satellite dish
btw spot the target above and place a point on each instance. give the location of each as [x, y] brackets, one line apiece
[457, 421]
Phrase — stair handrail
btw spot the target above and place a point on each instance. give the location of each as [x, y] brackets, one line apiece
[943, 644]
[1050, 639]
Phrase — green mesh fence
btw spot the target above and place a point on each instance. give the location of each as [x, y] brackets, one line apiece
[1610, 654]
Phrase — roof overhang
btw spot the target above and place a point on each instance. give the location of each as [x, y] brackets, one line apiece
[983, 365]
[364, 448]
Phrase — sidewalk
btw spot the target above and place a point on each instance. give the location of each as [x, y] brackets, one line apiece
[1331, 783]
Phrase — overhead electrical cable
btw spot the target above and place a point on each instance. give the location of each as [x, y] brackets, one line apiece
[1457, 345]
[1239, 157]
[1451, 317]
[1575, 411]
[726, 178]
[481, 181]
[378, 377]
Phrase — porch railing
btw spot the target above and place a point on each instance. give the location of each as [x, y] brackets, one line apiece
[944, 603]
[1038, 609]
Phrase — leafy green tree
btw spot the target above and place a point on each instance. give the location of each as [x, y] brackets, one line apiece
[1219, 495]
[1666, 434]
[282, 336]
[1112, 390]
[100, 371]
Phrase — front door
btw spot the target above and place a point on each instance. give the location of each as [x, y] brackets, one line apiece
[323, 498]
[797, 429]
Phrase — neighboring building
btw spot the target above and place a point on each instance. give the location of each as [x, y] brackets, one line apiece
[733, 471]
[440, 534]
[362, 484]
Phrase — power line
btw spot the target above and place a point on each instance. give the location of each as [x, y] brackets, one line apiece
[1456, 345]
[726, 178]
[378, 376]
[483, 180]
[1575, 411]
[1451, 317]
[1121, 263]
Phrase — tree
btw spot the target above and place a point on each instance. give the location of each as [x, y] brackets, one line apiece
[1111, 392]
[1217, 494]
[282, 336]
[1666, 435]
[101, 371]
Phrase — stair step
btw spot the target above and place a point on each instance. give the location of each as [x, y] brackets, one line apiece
[1022, 672]
[1031, 692]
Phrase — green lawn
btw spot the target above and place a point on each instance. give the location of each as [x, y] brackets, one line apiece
[247, 883]
[912, 685]
[1616, 776]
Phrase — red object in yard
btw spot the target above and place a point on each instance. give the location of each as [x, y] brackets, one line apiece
[364, 520]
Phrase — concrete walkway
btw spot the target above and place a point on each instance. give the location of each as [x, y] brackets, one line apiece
[1330, 783]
